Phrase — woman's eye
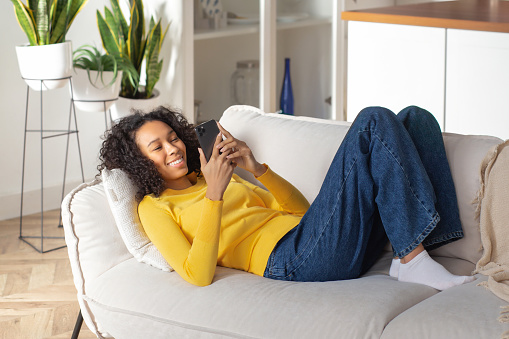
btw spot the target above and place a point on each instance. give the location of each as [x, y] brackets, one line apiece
[174, 140]
[157, 148]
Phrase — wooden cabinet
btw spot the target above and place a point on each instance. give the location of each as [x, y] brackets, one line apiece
[448, 57]
[461, 76]
[395, 66]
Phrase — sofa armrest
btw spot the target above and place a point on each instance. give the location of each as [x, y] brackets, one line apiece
[93, 241]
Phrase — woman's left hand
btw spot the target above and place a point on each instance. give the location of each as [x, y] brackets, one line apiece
[240, 153]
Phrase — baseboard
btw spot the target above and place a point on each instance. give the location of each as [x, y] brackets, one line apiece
[10, 205]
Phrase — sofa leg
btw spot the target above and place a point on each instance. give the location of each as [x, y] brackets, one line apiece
[77, 326]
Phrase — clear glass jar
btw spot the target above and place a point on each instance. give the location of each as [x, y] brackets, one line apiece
[245, 83]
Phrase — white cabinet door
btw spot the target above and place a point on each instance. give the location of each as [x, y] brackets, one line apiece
[395, 66]
[477, 83]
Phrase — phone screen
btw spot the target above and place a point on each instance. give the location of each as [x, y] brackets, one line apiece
[207, 133]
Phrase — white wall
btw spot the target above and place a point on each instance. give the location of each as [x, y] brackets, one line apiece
[56, 108]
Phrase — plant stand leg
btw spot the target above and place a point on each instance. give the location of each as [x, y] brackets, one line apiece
[105, 116]
[77, 326]
[72, 113]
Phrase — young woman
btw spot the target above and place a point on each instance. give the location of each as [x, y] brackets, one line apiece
[389, 179]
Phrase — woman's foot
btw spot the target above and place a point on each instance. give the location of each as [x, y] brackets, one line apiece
[394, 270]
[422, 269]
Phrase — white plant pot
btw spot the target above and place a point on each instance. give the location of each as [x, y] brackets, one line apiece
[124, 106]
[96, 97]
[45, 62]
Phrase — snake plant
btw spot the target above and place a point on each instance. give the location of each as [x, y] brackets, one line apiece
[46, 21]
[121, 39]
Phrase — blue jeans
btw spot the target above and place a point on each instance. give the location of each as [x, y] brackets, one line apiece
[389, 179]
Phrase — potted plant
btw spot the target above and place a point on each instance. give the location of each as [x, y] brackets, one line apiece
[48, 55]
[122, 38]
[96, 79]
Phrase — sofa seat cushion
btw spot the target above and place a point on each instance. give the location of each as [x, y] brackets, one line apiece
[159, 304]
[466, 311]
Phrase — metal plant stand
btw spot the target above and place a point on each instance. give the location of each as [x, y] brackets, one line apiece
[46, 134]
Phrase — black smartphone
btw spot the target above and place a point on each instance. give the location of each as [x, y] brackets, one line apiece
[207, 133]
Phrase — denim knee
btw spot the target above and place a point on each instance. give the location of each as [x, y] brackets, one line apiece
[374, 114]
[418, 117]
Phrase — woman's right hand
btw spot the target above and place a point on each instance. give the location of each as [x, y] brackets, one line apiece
[217, 171]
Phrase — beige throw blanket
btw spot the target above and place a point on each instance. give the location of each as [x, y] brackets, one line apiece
[493, 213]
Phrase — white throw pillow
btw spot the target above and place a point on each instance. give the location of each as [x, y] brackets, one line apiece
[121, 196]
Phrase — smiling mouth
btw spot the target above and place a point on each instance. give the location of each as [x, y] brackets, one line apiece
[176, 162]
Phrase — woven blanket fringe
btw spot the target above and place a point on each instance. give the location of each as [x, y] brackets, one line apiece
[492, 154]
[504, 314]
[504, 318]
[490, 269]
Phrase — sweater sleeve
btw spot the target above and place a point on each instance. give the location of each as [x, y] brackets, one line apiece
[195, 262]
[282, 195]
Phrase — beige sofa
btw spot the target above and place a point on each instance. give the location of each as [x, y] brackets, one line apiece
[122, 297]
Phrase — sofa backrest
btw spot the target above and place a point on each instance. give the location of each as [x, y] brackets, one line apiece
[465, 153]
[301, 150]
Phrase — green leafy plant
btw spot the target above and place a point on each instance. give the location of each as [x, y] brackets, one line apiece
[46, 21]
[89, 58]
[130, 41]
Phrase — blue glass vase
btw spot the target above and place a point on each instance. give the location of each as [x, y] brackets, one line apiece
[286, 101]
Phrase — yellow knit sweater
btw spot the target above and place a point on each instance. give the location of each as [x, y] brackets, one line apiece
[194, 234]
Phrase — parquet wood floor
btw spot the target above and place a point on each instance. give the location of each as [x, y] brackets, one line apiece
[37, 293]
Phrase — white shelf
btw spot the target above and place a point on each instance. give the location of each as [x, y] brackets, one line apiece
[312, 21]
[228, 31]
[234, 30]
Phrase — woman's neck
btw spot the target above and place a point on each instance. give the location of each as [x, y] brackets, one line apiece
[182, 183]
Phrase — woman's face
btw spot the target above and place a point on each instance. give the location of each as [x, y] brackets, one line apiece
[159, 143]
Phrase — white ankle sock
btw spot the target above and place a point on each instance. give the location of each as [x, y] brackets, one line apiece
[394, 270]
[424, 270]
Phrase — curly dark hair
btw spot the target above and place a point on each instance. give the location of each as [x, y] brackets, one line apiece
[119, 149]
